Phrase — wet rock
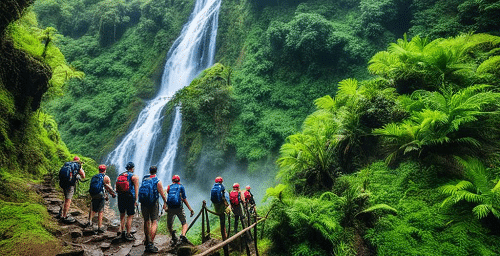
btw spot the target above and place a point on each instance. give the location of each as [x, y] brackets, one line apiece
[75, 212]
[76, 233]
[53, 200]
[186, 251]
[113, 228]
[90, 231]
[93, 252]
[105, 245]
[53, 209]
[124, 251]
[72, 253]
[82, 221]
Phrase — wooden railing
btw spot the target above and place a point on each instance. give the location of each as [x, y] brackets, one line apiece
[205, 230]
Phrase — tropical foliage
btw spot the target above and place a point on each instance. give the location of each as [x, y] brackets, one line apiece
[437, 122]
[478, 188]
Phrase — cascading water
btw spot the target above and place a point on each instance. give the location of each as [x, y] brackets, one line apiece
[190, 54]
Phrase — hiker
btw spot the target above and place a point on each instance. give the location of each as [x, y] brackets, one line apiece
[98, 184]
[68, 176]
[177, 195]
[217, 196]
[237, 199]
[250, 202]
[127, 187]
[149, 193]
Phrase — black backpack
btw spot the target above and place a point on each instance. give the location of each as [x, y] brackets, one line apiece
[67, 174]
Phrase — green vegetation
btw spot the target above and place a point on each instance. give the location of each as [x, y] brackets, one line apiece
[293, 86]
[428, 133]
[31, 69]
[117, 44]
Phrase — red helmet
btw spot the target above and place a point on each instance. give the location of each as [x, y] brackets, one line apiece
[176, 178]
[102, 167]
[236, 185]
[76, 158]
[248, 187]
[219, 179]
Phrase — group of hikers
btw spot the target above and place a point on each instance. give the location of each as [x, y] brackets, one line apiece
[147, 194]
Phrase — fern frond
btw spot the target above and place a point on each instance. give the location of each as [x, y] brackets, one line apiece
[481, 211]
[383, 207]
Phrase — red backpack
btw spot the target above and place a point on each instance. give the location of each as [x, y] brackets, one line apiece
[247, 195]
[234, 197]
[123, 183]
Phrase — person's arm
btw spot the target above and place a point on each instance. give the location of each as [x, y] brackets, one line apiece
[135, 180]
[226, 203]
[242, 195]
[183, 196]
[189, 207]
[108, 187]
[82, 173]
[159, 186]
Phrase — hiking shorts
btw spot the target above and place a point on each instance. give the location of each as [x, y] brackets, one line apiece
[126, 203]
[171, 213]
[220, 208]
[68, 192]
[150, 213]
[237, 210]
[98, 204]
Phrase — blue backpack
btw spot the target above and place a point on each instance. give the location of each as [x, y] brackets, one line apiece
[97, 184]
[148, 192]
[174, 196]
[216, 193]
[67, 174]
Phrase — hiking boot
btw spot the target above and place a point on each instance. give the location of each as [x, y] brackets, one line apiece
[151, 248]
[68, 220]
[100, 230]
[174, 238]
[129, 237]
[184, 239]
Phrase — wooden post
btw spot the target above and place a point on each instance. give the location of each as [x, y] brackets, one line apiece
[248, 215]
[208, 225]
[229, 240]
[246, 237]
[229, 225]
[255, 235]
[203, 222]
[223, 232]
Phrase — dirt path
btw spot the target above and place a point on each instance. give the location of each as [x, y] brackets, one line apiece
[81, 240]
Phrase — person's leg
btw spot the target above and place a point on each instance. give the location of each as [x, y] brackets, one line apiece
[236, 218]
[153, 227]
[129, 223]
[68, 194]
[147, 231]
[91, 217]
[170, 221]
[66, 205]
[122, 221]
[99, 219]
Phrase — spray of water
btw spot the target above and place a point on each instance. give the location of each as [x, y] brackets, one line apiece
[190, 54]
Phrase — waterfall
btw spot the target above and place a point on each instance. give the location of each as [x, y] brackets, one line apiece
[190, 54]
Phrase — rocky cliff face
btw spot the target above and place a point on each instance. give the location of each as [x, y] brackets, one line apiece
[23, 81]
